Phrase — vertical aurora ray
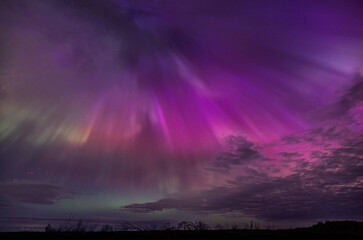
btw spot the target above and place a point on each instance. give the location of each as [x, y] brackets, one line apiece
[134, 100]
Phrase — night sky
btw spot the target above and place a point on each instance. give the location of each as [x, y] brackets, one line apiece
[154, 111]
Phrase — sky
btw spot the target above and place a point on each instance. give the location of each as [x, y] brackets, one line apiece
[154, 111]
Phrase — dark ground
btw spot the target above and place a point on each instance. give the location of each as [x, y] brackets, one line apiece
[212, 234]
[329, 230]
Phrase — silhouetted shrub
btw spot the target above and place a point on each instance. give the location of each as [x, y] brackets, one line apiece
[199, 226]
[107, 228]
[49, 228]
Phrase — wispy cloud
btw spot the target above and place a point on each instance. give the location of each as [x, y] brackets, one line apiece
[10, 206]
[34, 192]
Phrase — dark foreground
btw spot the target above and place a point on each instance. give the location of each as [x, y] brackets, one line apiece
[211, 234]
[329, 230]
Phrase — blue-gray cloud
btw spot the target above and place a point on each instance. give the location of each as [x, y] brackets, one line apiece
[26, 191]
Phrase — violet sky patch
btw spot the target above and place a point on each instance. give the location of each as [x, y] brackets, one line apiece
[167, 110]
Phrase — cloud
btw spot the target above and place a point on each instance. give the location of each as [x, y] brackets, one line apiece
[5, 206]
[352, 96]
[347, 109]
[34, 192]
[316, 174]
[329, 187]
[240, 150]
[291, 155]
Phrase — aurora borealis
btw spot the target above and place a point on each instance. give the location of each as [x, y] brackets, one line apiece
[168, 110]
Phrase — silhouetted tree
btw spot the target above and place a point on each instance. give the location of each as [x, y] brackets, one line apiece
[49, 228]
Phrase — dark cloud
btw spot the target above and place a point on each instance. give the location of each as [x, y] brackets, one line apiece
[306, 184]
[240, 150]
[291, 155]
[5, 206]
[317, 135]
[34, 192]
[352, 95]
[330, 187]
[346, 108]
